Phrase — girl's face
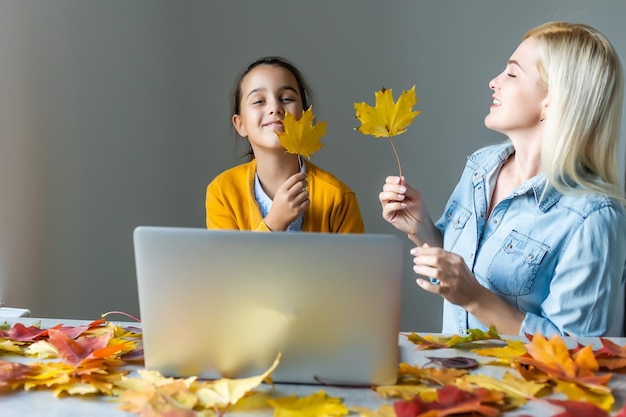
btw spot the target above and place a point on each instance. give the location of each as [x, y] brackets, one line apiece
[519, 97]
[267, 92]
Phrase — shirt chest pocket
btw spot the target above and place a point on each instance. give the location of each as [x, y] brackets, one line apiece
[514, 267]
[456, 218]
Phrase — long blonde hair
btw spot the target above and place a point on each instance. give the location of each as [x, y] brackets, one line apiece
[583, 74]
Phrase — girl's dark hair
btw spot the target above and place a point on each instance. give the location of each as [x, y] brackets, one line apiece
[303, 87]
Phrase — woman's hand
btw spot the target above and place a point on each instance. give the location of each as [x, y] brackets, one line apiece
[456, 282]
[402, 206]
[291, 200]
[459, 286]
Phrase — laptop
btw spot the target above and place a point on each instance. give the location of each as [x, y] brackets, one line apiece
[226, 303]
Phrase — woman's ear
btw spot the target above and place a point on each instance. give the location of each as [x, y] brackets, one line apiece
[238, 124]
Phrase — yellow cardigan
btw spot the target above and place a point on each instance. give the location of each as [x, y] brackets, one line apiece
[230, 202]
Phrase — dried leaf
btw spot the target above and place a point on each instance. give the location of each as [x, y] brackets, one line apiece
[315, 405]
[577, 409]
[409, 374]
[455, 362]
[385, 410]
[441, 342]
[451, 401]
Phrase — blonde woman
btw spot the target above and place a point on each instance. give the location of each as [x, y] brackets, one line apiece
[533, 237]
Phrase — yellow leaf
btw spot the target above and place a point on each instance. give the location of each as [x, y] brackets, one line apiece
[300, 136]
[411, 374]
[405, 392]
[516, 389]
[385, 410]
[387, 118]
[598, 395]
[314, 405]
[505, 354]
[10, 346]
[224, 392]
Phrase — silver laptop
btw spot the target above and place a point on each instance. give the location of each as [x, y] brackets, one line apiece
[224, 304]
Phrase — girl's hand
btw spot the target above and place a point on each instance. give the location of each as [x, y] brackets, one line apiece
[402, 205]
[291, 200]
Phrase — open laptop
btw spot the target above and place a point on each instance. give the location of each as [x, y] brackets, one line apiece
[223, 304]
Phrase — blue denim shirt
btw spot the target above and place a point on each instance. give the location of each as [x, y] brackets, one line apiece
[561, 259]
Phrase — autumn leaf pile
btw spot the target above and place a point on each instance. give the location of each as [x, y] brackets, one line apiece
[98, 358]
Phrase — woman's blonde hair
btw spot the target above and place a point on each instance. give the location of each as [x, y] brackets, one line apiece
[584, 78]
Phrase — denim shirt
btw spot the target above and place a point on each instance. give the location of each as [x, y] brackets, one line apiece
[561, 259]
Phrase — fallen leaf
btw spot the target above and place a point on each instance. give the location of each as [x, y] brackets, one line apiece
[315, 405]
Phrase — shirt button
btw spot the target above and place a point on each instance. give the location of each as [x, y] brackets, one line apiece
[531, 256]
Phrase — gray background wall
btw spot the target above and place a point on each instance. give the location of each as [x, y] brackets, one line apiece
[114, 114]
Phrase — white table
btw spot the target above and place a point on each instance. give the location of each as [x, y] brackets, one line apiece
[44, 403]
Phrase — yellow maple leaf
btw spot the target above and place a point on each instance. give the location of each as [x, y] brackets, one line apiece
[315, 405]
[599, 395]
[225, 391]
[386, 118]
[385, 410]
[504, 355]
[517, 390]
[300, 137]
[406, 392]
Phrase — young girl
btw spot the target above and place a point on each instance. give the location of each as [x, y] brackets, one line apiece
[274, 191]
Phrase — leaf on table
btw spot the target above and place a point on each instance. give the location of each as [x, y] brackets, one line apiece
[224, 392]
[411, 374]
[611, 356]
[455, 362]
[554, 359]
[505, 355]
[452, 400]
[301, 137]
[577, 409]
[21, 333]
[171, 399]
[517, 390]
[88, 348]
[442, 342]
[387, 118]
[600, 395]
[315, 405]
[407, 392]
[10, 346]
[12, 374]
[385, 410]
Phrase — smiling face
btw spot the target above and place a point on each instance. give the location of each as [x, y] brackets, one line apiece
[267, 92]
[519, 95]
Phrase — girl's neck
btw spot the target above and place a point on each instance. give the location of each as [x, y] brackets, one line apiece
[274, 169]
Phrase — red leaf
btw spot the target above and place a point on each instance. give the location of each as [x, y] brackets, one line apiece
[21, 333]
[11, 372]
[76, 351]
[578, 409]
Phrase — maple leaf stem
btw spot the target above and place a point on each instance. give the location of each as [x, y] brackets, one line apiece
[397, 157]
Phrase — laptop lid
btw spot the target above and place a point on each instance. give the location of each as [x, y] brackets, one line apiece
[218, 303]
